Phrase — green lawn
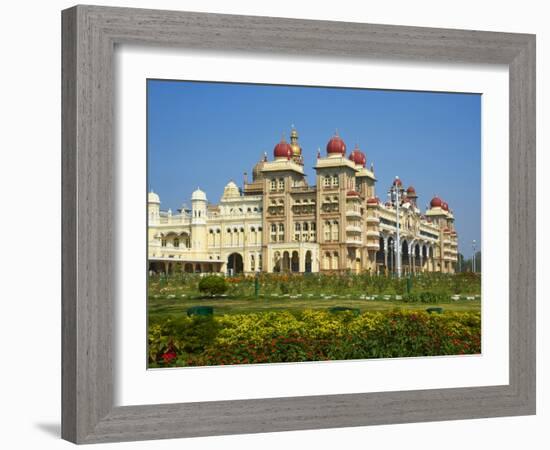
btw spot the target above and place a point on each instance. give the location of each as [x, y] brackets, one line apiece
[161, 306]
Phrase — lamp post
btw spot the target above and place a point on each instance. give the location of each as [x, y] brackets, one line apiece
[474, 256]
[395, 193]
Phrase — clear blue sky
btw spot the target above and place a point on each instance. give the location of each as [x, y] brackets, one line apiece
[205, 134]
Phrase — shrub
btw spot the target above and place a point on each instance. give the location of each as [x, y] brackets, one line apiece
[212, 285]
[311, 335]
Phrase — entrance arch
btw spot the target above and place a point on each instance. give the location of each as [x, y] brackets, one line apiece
[286, 262]
[405, 260]
[235, 263]
[308, 261]
[295, 262]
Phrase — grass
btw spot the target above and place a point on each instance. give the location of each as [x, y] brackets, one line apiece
[158, 307]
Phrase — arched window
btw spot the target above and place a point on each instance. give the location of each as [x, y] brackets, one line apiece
[326, 261]
[273, 228]
[297, 226]
[176, 242]
[335, 231]
[305, 227]
[327, 231]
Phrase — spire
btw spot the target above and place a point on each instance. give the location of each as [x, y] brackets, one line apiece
[295, 146]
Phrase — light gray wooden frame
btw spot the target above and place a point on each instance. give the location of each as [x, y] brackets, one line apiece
[89, 37]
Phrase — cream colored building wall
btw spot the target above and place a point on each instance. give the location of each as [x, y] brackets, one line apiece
[345, 232]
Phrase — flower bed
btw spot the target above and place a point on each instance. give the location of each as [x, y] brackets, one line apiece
[274, 337]
[437, 284]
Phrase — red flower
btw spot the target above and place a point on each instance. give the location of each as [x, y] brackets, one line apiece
[169, 356]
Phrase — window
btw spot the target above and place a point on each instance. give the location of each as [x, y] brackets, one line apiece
[163, 242]
[335, 180]
[326, 181]
[306, 226]
[273, 185]
[273, 228]
[252, 263]
[312, 226]
[281, 184]
[176, 242]
[335, 231]
[297, 226]
[281, 228]
[327, 231]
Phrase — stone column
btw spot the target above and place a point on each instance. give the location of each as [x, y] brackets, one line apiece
[385, 252]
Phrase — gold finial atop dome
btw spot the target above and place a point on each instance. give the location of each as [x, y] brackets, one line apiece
[296, 149]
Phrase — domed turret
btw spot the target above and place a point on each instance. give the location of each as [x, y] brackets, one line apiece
[445, 206]
[358, 157]
[231, 190]
[436, 202]
[336, 146]
[397, 182]
[153, 198]
[411, 190]
[282, 150]
[257, 169]
[153, 207]
[198, 195]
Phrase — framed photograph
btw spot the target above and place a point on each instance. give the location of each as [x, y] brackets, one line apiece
[279, 224]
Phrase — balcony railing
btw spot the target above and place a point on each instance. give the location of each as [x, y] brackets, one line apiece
[353, 213]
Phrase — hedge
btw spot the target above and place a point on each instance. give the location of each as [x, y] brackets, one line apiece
[274, 337]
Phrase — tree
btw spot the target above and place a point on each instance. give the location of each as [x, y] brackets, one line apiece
[212, 285]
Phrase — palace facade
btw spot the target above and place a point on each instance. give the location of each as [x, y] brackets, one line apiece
[277, 222]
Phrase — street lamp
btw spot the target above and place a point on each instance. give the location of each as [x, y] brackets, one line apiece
[395, 193]
[474, 256]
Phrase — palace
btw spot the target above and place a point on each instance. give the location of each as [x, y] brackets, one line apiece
[277, 222]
